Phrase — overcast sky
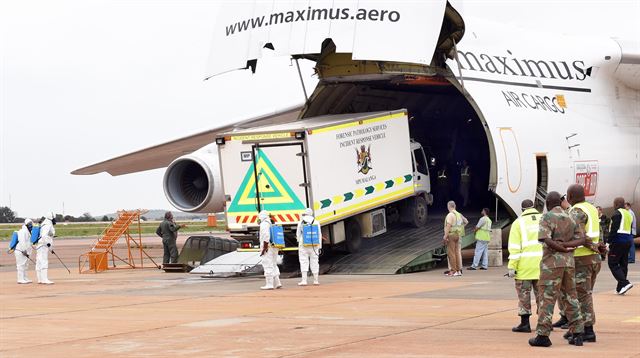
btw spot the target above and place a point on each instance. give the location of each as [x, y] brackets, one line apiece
[84, 81]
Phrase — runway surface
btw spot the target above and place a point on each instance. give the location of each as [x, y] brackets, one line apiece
[147, 312]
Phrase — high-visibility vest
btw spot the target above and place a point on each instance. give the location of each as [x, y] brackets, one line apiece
[592, 227]
[484, 233]
[464, 173]
[458, 227]
[525, 251]
[625, 221]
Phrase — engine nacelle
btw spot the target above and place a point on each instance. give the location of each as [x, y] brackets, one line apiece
[192, 182]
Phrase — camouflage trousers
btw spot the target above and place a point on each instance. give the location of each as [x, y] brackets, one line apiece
[523, 289]
[553, 283]
[585, 281]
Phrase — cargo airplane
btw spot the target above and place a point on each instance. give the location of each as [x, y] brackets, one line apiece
[529, 116]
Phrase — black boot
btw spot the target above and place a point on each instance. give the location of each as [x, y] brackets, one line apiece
[576, 339]
[540, 341]
[524, 325]
[567, 335]
[563, 321]
[589, 334]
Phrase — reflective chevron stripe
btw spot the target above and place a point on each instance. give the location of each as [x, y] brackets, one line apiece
[368, 190]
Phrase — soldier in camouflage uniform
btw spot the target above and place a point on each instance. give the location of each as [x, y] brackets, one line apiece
[587, 259]
[560, 235]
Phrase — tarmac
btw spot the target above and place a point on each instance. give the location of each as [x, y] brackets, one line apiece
[146, 312]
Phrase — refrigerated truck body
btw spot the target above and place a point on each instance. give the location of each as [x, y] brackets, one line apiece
[356, 171]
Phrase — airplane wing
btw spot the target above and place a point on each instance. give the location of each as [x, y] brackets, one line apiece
[161, 155]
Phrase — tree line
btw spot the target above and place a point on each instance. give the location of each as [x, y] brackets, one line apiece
[9, 216]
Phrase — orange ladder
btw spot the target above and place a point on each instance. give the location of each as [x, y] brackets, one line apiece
[98, 257]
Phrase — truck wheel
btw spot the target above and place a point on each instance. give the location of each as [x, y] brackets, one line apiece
[353, 236]
[417, 212]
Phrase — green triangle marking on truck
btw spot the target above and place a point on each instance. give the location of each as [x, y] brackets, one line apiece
[280, 196]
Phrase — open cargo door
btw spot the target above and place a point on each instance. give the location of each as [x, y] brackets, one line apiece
[402, 31]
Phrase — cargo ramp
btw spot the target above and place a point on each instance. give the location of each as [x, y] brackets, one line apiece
[403, 250]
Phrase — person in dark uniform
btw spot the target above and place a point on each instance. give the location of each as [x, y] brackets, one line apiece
[620, 241]
[604, 224]
[465, 183]
[168, 231]
[442, 191]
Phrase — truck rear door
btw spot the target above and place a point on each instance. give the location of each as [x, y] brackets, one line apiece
[264, 177]
[279, 171]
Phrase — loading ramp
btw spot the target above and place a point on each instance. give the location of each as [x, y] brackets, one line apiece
[403, 250]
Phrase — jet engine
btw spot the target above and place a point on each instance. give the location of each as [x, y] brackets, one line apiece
[192, 182]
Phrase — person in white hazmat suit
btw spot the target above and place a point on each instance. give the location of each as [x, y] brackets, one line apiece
[23, 250]
[47, 232]
[269, 254]
[308, 254]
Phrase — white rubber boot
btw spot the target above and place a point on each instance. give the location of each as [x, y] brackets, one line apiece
[315, 279]
[268, 284]
[276, 282]
[44, 279]
[303, 280]
[20, 274]
[25, 278]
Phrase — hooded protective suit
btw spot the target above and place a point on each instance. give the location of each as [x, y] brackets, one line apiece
[22, 250]
[47, 232]
[270, 257]
[308, 255]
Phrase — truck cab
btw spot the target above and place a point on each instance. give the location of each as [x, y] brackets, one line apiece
[421, 178]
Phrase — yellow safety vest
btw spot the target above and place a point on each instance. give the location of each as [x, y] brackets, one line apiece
[458, 227]
[625, 221]
[484, 233]
[525, 252]
[464, 174]
[592, 228]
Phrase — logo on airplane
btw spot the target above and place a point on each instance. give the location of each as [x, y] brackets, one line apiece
[514, 66]
[555, 104]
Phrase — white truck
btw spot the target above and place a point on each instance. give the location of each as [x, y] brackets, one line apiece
[358, 172]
